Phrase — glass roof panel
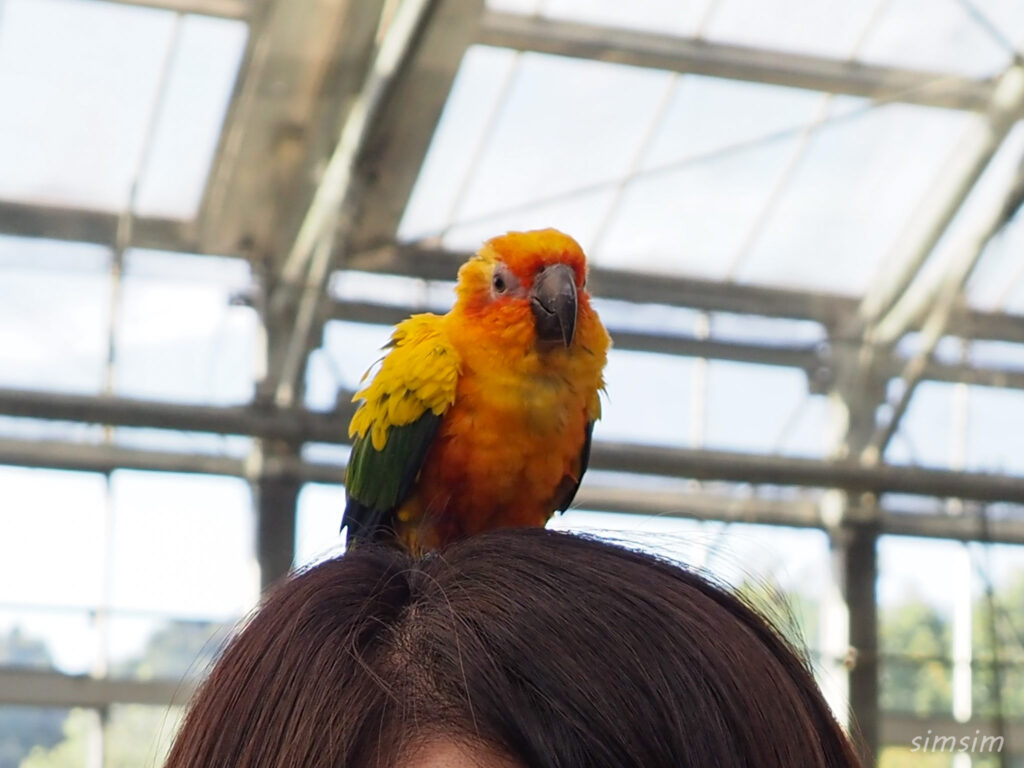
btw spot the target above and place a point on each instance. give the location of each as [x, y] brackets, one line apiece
[179, 337]
[694, 220]
[463, 124]
[634, 381]
[317, 520]
[54, 310]
[937, 35]
[827, 27]
[855, 188]
[752, 408]
[58, 517]
[75, 112]
[202, 77]
[542, 154]
[711, 114]
[156, 517]
[926, 431]
[991, 447]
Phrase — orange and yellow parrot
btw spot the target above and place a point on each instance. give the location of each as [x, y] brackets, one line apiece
[481, 418]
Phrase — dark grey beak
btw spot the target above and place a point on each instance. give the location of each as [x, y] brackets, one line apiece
[553, 301]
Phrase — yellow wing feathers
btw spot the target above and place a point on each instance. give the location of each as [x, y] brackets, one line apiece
[418, 374]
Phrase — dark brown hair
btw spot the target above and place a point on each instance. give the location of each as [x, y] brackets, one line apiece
[557, 650]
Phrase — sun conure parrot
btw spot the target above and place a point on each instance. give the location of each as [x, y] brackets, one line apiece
[482, 418]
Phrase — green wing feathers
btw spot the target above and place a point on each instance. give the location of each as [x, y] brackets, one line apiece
[395, 424]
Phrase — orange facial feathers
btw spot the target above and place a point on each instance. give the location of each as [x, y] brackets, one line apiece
[497, 401]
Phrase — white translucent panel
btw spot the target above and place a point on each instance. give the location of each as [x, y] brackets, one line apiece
[806, 430]
[183, 544]
[913, 569]
[727, 326]
[45, 429]
[658, 318]
[579, 215]
[997, 283]
[926, 431]
[707, 115]
[326, 453]
[991, 445]
[54, 310]
[997, 354]
[317, 536]
[179, 338]
[67, 641]
[1007, 16]
[853, 192]
[349, 350]
[543, 147]
[826, 27]
[78, 81]
[750, 407]
[937, 35]
[525, 7]
[205, 64]
[693, 220]
[183, 442]
[667, 17]
[391, 289]
[908, 503]
[147, 648]
[47, 518]
[449, 161]
[648, 399]
[1003, 564]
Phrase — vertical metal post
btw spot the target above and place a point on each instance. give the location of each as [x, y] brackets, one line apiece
[276, 493]
[854, 545]
[859, 554]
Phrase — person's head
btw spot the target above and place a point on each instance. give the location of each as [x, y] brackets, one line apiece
[513, 649]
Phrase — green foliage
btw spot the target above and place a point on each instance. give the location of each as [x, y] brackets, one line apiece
[135, 736]
[916, 677]
[21, 728]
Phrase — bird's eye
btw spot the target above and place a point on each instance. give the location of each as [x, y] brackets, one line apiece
[499, 284]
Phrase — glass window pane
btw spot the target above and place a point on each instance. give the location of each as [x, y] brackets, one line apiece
[51, 517]
[39, 638]
[203, 73]
[827, 28]
[183, 545]
[854, 189]
[634, 381]
[65, 86]
[752, 407]
[317, 534]
[179, 335]
[54, 310]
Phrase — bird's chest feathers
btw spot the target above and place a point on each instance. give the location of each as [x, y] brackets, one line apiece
[537, 402]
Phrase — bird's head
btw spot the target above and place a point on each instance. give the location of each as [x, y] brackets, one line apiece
[530, 282]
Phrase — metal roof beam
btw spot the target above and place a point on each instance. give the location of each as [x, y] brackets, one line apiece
[891, 304]
[95, 227]
[752, 469]
[672, 462]
[37, 688]
[736, 62]
[336, 202]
